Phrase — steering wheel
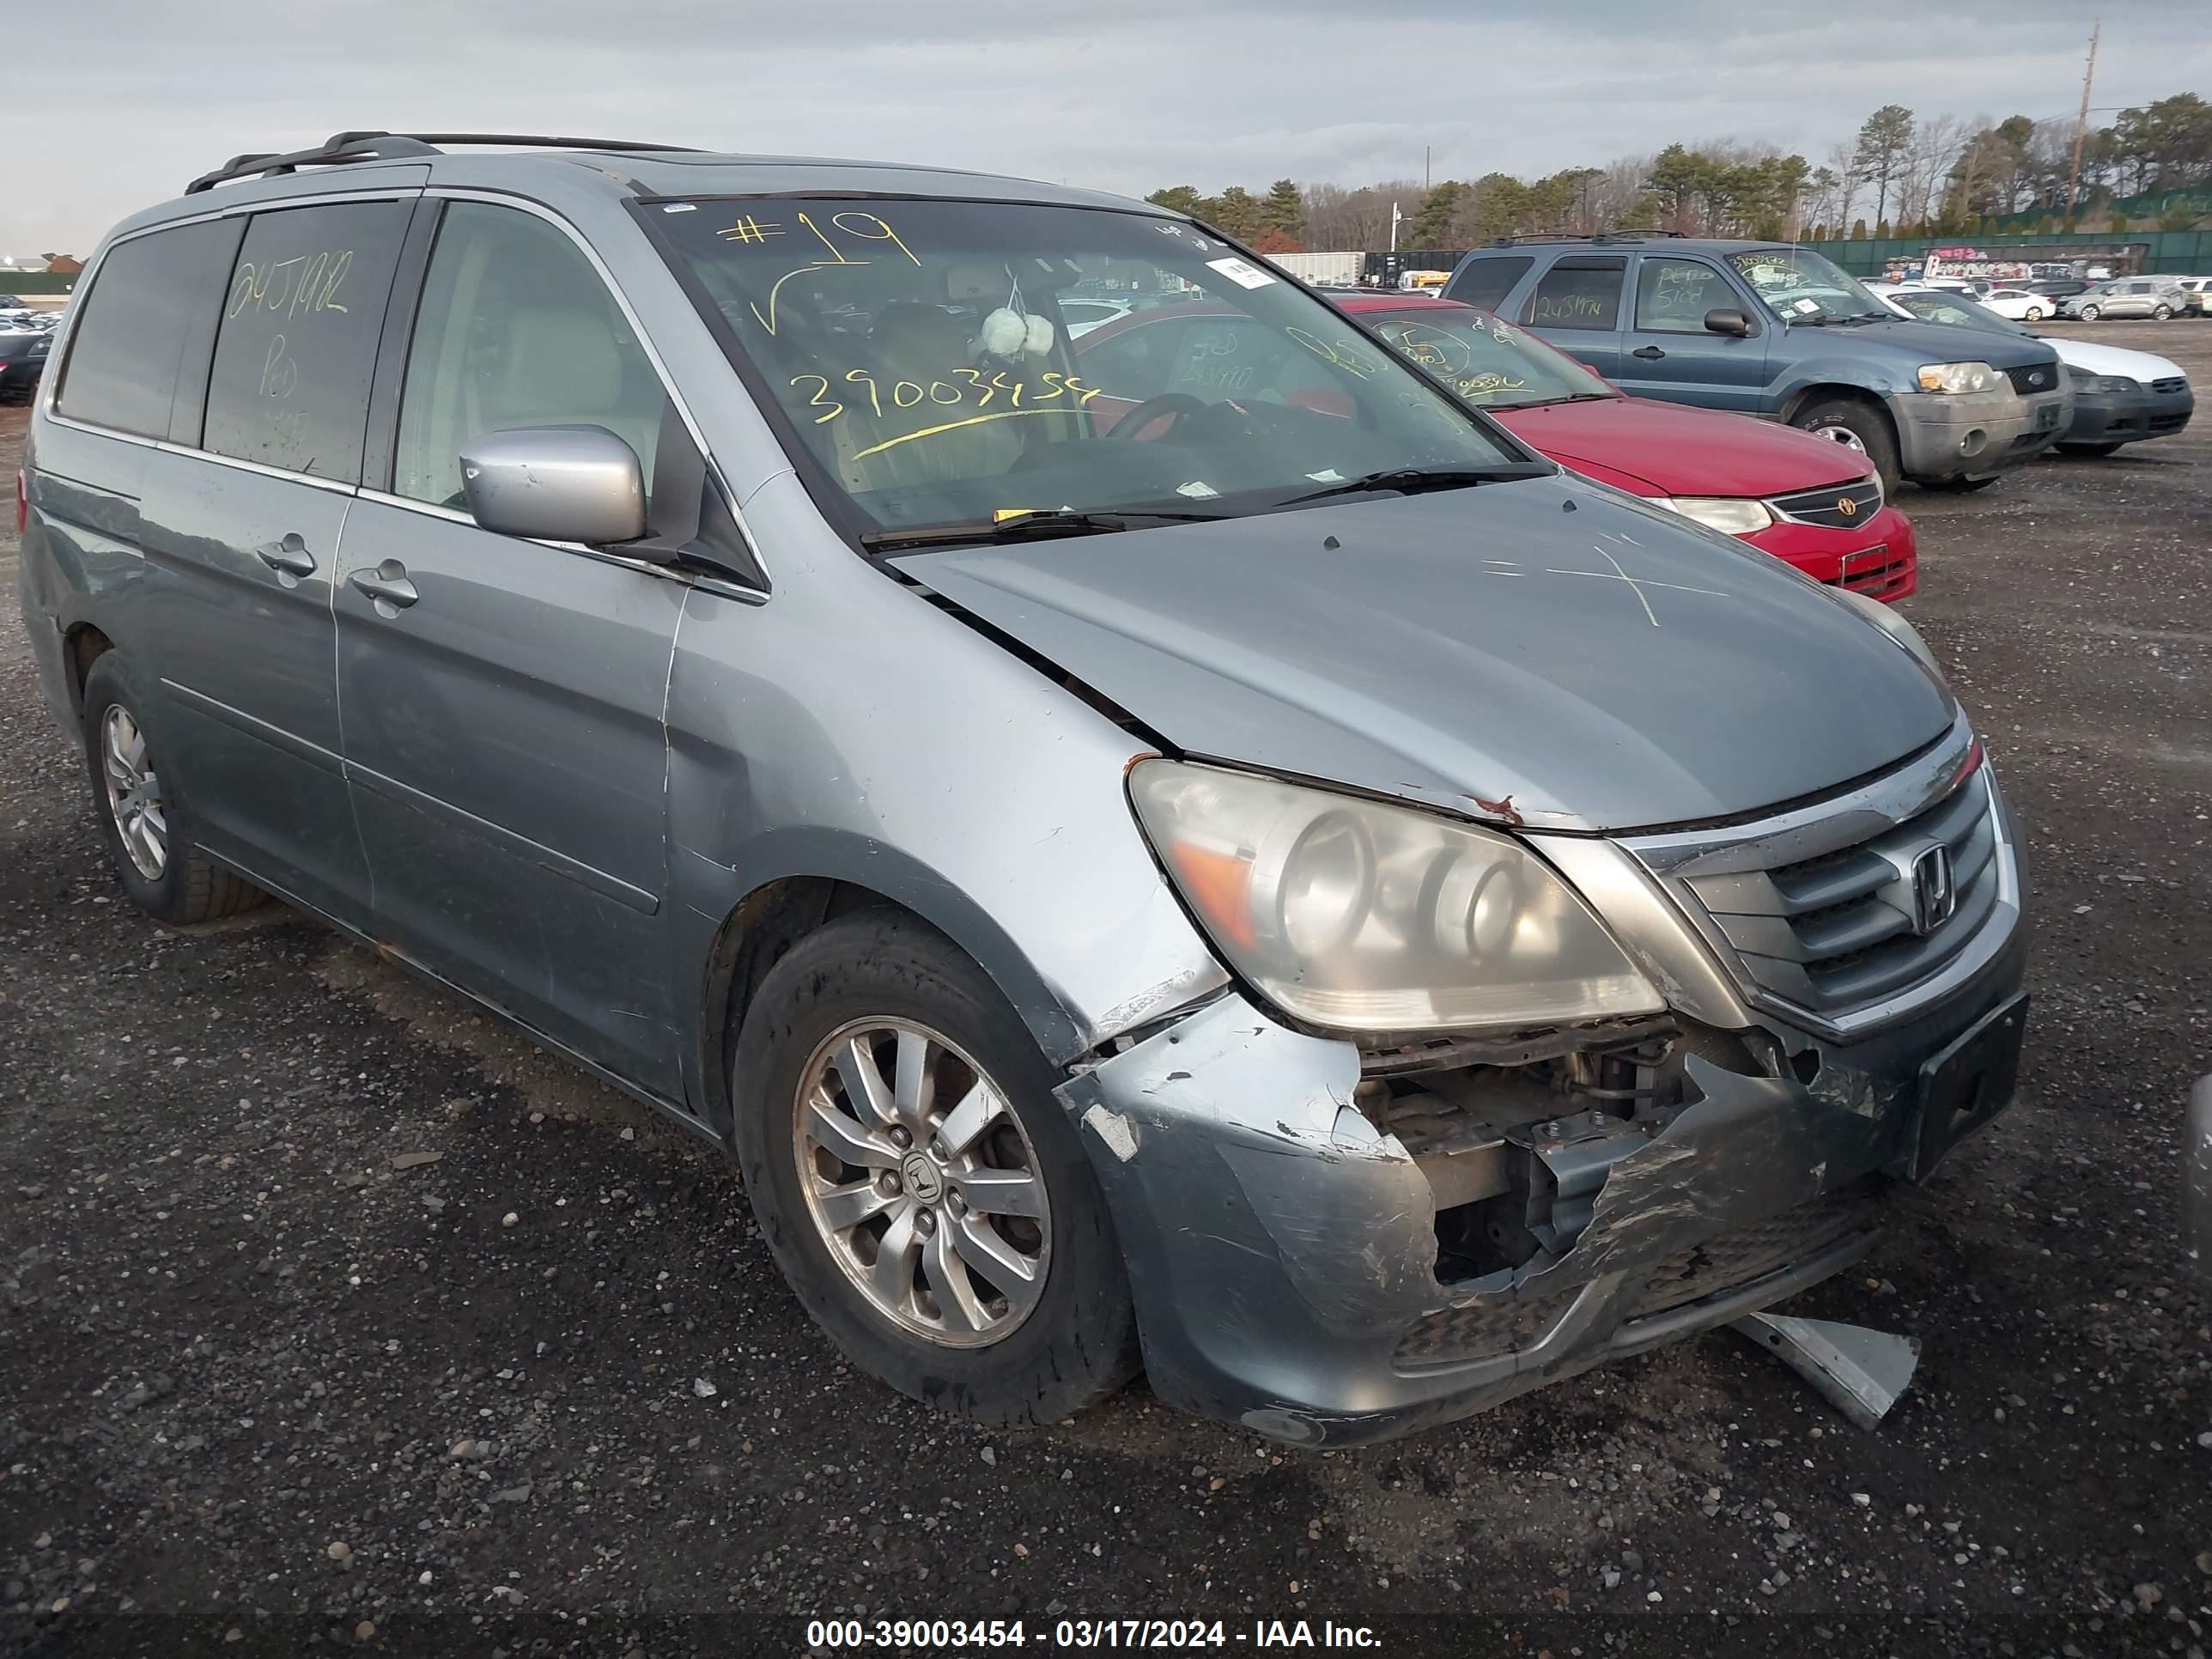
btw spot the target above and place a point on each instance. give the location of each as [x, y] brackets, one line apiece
[1177, 404]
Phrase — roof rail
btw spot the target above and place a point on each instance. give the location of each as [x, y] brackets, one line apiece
[344, 148]
[1601, 236]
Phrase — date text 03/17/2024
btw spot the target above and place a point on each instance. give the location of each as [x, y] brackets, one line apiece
[829, 1635]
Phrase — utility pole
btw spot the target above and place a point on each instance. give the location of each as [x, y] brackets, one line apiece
[2082, 121]
[1424, 169]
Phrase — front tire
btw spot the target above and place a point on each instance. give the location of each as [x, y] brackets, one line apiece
[1857, 425]
[143, 818]
[2089, 449]
[2090, 313]
[924, 1193]
[1960, 486]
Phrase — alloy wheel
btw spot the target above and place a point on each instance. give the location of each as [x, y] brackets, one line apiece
[134, 793]
[1843, 435]
[922, 1183]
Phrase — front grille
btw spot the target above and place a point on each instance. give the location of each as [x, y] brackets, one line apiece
[1877, 573]
[2034, 379]
[1838, 507]
[1480, 1330]
[1751, 1253]
[2168, 386]
[1485, 1330]
[1831, 932]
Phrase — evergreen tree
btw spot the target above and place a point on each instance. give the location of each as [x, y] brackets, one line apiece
[1283, 209]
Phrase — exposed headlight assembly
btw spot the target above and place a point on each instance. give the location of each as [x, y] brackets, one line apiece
[1960, 377]
[1361, 917]
[1731, 515]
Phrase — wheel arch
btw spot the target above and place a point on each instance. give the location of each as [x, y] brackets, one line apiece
[83, 645]
[774, 913]
[1815, 392]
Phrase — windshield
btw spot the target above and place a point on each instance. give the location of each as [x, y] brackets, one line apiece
[1956, 309]
[1799, 286]
[1488, 364]
[921, 351]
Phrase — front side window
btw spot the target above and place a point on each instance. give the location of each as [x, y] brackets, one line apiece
[297, 344]
[1488, 364]
[1578, 293]
[147, 298]
[920, 353]
[1805, 289]
[1674, 295]
[515, 329]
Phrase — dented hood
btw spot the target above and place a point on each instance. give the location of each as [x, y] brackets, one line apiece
[1547, 651]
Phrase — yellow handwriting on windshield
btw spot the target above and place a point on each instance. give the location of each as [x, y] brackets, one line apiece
[748, 231]
[1343, 354]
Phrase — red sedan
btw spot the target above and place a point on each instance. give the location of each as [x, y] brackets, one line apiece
[1802, 499]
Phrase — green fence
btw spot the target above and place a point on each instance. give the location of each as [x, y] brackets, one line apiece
[36, 281]
[2174, 252]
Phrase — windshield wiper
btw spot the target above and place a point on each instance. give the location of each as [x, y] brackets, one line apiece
[1570, 398]
[1044, 522]
[1414, 480]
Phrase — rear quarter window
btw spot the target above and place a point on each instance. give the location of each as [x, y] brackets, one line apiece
[297, 345]
[150, 298]
[1486, 282]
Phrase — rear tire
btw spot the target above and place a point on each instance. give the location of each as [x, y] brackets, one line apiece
[2159, 314]
[2032, 314]
[143, 818]
[1004, 1348]
[1855, 424]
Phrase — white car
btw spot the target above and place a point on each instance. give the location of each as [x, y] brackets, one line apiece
[2116, 396]
[2019, 305]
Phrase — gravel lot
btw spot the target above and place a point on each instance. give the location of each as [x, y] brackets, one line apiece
[263, 1389]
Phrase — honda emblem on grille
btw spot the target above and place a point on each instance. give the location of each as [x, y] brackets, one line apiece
[1847, 506]
[1934, 897]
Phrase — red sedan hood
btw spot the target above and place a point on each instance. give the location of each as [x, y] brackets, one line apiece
[1682, 452]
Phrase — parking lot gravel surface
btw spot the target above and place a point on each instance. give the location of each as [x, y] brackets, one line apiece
[336, 1317]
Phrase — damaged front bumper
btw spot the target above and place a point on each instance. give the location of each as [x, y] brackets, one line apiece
[1284, 1248]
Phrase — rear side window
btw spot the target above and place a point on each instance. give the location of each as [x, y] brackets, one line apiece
[298, 340]
[1486, 282]
[1582, 292]
[149, 299]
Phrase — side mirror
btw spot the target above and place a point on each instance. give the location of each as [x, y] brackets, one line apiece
[1728, 322]
[556, 483]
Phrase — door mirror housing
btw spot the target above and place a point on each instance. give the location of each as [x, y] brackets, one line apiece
[1724, 321]
[556, 483]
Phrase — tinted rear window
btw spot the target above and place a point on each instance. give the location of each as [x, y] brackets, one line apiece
[1486, 282]
[1578, 293]
[138, 316]
[298, 341]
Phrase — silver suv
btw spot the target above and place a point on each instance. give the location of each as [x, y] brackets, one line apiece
[1130, 881]
[2160, 297]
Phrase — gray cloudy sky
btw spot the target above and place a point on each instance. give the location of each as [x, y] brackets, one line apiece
[111, 104]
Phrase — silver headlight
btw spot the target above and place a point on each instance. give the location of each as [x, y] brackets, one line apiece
[1363, 917]
[1732, 515]
[1960, 377]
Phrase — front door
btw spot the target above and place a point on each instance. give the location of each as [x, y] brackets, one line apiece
[502, 699]
[243, 542]
[1667, 352]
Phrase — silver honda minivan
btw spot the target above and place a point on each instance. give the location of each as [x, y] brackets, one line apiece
[1289, 890]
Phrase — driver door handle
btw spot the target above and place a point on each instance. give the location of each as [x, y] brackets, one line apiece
[1651, 352]
[387, 587]
[289, 556]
